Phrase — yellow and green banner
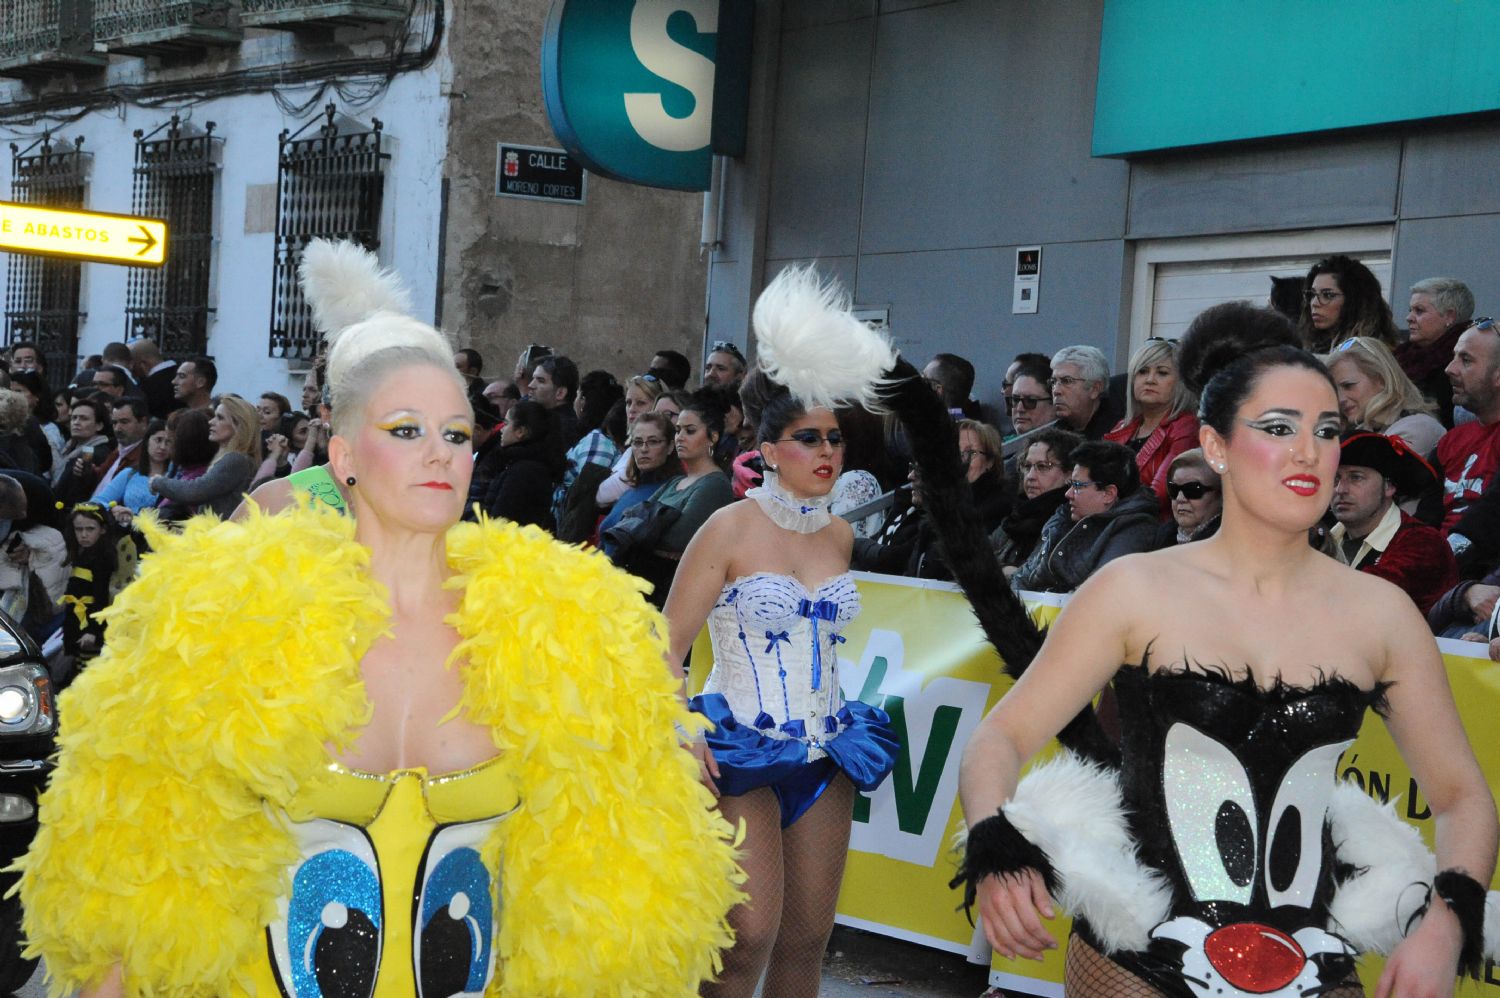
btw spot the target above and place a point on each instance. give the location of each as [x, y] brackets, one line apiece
[916, 651]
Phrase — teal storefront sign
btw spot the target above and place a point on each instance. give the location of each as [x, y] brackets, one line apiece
[1178, 73]
[647, 91]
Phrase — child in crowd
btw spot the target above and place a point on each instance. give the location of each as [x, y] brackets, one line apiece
[93, 556]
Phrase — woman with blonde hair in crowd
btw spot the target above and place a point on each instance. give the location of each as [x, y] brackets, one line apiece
[641, 393]
[234, 428]
[1160, 418]
[1375, 395]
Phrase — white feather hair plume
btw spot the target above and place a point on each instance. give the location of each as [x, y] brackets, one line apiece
[361, 307]
[807, 339]
[345, 285]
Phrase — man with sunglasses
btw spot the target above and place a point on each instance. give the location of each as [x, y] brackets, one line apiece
[1030, 400]
[1373, 534]
[725, 366]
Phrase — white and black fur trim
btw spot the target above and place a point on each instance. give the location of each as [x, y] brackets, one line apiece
[1074, 811]
[1394, 874]
[807, 339]
[1393, 869]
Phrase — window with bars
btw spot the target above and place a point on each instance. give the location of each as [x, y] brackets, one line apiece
[175, 170]
[328, 185]
[42, 294]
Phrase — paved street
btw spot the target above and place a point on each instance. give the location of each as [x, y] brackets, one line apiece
[859, 965]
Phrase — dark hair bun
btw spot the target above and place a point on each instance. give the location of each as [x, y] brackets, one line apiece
[758, 392]
[1222, 334]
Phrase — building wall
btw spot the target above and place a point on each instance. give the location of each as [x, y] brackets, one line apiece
[414, 112]
[910, 147]
[610, 282]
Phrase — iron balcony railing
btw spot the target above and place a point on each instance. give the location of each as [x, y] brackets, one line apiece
[329, 185]
[45, 36]
[143, 27]
[300, 13]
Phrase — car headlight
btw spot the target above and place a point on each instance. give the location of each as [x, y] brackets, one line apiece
[25, 700]
[14, 807]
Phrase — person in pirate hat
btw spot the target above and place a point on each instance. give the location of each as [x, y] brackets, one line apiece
[1373, 534]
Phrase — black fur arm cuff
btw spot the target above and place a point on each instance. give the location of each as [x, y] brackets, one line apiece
[1465, 896]
[996, 846]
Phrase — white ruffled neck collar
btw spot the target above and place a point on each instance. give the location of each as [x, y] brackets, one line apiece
[795, 513]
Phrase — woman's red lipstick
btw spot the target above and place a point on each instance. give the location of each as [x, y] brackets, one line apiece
[438, 485]
[1303, 485]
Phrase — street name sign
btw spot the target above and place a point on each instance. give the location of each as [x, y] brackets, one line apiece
[95, 236]
[538, 174]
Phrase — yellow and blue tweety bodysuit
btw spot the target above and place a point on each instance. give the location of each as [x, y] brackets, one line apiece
[195, 790]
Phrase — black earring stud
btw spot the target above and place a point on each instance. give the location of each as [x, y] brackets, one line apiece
[349, 481]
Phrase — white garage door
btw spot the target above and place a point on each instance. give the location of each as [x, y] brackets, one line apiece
[1183, 289]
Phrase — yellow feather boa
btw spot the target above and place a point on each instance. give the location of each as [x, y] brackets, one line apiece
[233, 661]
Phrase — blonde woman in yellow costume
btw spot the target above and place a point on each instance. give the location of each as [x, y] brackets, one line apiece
[324, 757]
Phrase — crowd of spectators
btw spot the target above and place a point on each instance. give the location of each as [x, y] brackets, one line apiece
[1078, 469]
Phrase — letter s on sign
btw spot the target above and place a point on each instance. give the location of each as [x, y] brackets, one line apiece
[677, 64]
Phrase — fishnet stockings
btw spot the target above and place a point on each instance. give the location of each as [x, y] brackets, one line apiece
[794, 878]
[1090, 974]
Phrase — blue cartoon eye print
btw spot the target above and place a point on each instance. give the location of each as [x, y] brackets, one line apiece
[326, 941]
[454, 919]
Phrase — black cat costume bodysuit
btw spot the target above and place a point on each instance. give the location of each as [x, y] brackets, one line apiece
[1225, 787]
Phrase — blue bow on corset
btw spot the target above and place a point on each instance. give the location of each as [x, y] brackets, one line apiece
[772, 637]
[823, 609]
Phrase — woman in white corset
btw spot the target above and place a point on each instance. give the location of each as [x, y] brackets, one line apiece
[771, 579]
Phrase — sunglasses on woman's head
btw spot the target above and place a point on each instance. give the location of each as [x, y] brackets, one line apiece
[812, 438]
[1193, 490]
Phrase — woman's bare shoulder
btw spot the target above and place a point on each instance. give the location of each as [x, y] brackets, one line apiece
[272, 497]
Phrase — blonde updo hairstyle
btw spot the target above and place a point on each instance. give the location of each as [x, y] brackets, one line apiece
[363, 311]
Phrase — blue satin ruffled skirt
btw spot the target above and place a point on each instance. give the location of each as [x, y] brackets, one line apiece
[865, 750]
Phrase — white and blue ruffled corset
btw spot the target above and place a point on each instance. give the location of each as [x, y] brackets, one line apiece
[776, 654]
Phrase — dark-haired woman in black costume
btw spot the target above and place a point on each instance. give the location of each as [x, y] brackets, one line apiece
[1224, 867]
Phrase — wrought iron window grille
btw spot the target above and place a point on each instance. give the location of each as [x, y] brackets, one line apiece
[174, 180]
[42, 294]
[329, 185]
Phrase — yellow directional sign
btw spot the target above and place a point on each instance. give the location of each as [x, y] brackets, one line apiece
[83, 235]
